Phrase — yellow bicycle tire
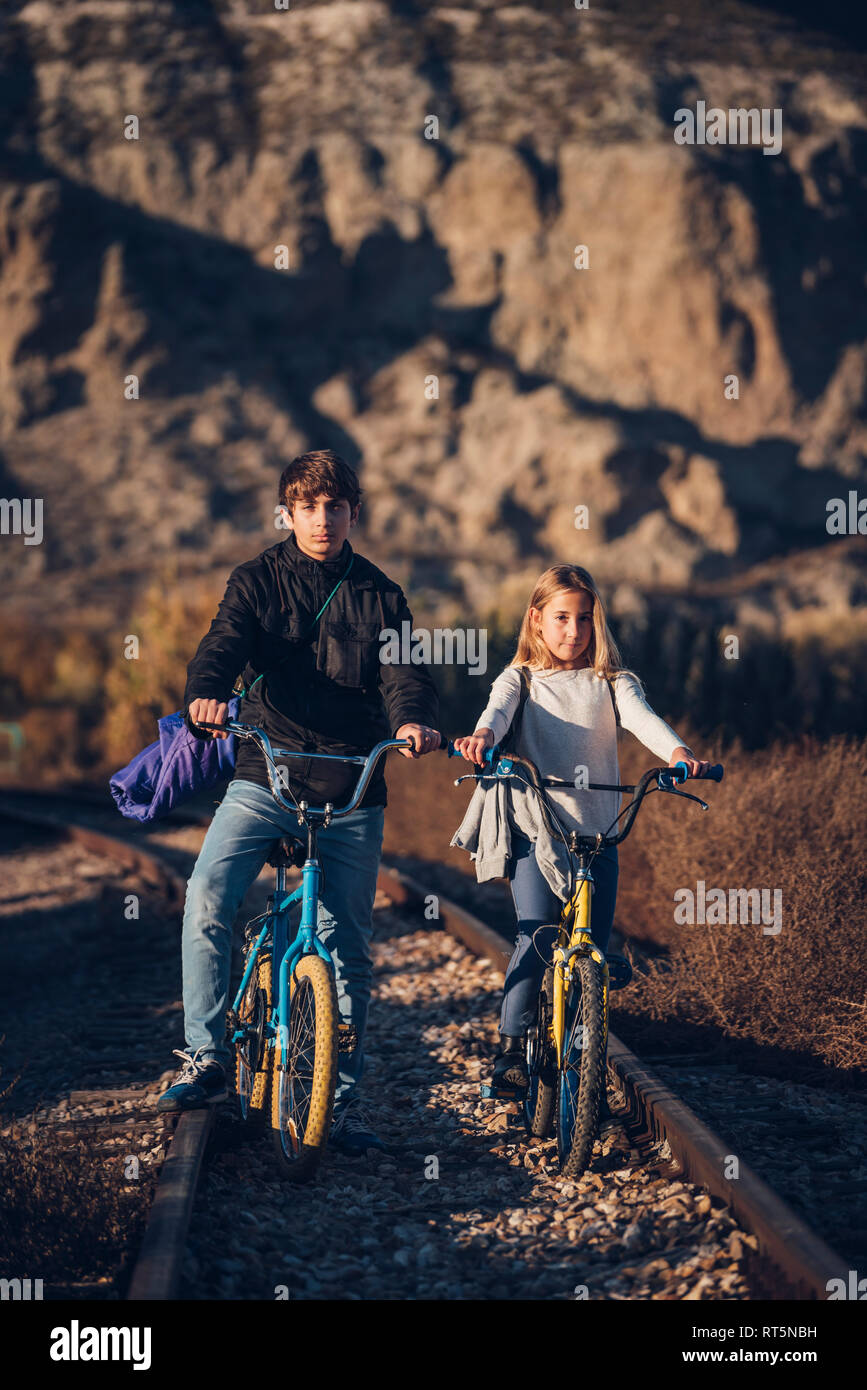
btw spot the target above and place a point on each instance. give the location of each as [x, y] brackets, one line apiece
[314, 981]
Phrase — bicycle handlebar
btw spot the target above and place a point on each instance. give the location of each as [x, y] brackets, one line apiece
[263, 742]
[666, 778]
[679, 771]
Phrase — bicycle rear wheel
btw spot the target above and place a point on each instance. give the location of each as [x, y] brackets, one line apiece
[582, 1075]
[540, 1102]
[303, 1080]
[252, 1066]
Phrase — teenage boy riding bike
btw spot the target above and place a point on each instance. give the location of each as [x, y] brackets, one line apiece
[320, 687]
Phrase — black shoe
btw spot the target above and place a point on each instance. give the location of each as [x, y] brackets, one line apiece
[619, 970]
[197, 1084]
[352, 1133]
[510, 1067]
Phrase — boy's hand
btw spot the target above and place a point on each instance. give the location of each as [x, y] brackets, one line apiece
[209, 712]
[697, 768]
[424, 739]
[472, 746]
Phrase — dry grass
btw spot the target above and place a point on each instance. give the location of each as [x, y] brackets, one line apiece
[791, 818]
[171, 622]
[84, 707]
[66, 1216]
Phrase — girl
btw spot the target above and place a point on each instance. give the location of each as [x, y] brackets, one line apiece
[569, 721]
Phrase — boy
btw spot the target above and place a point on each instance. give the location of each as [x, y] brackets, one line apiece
[329, 693]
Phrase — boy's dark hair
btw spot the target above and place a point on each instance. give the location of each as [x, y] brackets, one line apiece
[321, 470]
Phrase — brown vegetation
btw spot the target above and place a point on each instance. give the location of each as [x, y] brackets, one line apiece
[790, 818]
[65, 1215]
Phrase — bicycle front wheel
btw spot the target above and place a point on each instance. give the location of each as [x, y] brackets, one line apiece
[582, 1075]
[305, 1075]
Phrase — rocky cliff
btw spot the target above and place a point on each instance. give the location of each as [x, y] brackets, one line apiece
[281, 259]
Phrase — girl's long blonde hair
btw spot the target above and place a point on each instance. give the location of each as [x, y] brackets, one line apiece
[531, 650]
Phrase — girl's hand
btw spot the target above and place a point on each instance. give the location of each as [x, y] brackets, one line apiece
[697, 768]
[472, 746]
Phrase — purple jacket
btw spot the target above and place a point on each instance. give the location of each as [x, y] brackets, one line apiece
[174, 768]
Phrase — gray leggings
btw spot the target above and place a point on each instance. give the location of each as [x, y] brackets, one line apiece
[537, 905]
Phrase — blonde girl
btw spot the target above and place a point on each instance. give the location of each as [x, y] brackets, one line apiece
[577, 693]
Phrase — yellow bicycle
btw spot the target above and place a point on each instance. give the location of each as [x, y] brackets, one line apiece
[567, 1044]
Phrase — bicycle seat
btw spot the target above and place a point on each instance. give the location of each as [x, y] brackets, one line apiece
[287, 852]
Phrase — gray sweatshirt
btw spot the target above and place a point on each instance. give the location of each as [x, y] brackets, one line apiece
[568, 725]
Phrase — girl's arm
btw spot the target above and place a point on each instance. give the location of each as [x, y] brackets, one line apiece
[495, 717]
[637, 716]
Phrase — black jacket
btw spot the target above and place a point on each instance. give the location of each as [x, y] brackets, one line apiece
[332, 694]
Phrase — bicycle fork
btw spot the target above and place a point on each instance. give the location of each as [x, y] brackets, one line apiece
[305, 941]
[575, 943]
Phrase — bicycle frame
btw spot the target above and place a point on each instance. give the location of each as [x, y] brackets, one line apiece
[305, 939]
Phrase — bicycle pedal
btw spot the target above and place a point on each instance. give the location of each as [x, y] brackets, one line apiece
[501, 1092]
[619, 971]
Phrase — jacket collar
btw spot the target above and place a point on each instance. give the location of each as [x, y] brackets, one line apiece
[307, 565]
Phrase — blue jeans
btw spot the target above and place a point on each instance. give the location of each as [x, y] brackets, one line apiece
[239, 839]
[537, 905]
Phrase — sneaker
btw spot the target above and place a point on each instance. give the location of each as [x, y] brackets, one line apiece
[352, 1133]
[510, 1073]
[198, 1083]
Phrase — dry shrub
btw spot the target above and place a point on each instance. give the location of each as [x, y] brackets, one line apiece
[50, 681]
[791, 818]
[66, 1216]
[173, 617]
[82, 705]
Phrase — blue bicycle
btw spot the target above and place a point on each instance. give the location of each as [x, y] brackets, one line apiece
[284, 1023]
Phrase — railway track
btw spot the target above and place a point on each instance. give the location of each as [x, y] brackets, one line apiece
[470, 1209]
[89, 927]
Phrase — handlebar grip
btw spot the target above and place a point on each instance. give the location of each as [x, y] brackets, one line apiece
[208, 728]
[490, 755]
[713, 774]
[447, 746]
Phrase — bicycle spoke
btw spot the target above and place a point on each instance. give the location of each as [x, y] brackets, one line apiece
[296, 1082]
